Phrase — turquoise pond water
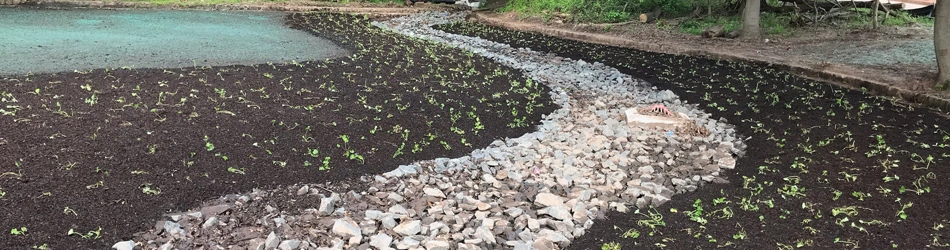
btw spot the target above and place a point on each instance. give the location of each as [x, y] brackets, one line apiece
[45, 41]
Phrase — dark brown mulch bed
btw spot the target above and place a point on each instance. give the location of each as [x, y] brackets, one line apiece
[105, 153]
[826, 167]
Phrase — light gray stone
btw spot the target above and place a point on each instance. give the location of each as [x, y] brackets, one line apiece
[548, 199]
[303, 190]
[559, 212]
[553, 236]
[388, 221]
[166, 246]
[272, 241]
[409, 228]
[210, 223]
[373, 214]
[433, 192]
[437, 245]
[381, 241]
[124, 245]
[398, 209]
[484, 233]
[514, 212]
[346, 228]
[326, 206]
[407, 243]
[289, 244]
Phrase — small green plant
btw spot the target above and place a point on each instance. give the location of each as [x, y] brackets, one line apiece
[234, 170]
[697, 213]
[653, 220]
[399, 150]
[326, 163]
[18, 231]
[88, 235]
[611, 246]
[902, 214]
[631, 234]
[312, 152]
[350, 153]
[148, 189]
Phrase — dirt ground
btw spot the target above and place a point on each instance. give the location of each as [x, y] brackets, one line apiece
[895, 61]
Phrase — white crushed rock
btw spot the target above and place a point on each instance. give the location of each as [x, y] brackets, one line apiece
[538, 191]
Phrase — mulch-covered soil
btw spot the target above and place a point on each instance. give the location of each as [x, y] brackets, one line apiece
[825, 168]
[105, 153]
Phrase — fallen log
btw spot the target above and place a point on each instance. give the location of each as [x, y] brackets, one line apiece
[733, 34]
[714, 31]
[651, 16]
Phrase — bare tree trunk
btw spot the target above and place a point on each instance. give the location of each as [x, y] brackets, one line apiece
[874, 7]
[750, 20]
[942, 43]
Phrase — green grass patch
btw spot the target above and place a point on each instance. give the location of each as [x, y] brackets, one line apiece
[771, 24]
[864, 18]
[582, 10]
[601, 11]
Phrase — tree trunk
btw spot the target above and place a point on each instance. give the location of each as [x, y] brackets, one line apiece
[874, 14]
[942, 43]
[750, 20]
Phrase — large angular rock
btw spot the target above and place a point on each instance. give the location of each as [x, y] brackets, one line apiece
[548, 199]
[271, 242]
[326, 206]
[553, 236]
[346, 228]
[433, 192]
[559, 212]
[124, 245]
[289, 244]
[409, 228]
[484, 234]
[437, 245]
[381, 241]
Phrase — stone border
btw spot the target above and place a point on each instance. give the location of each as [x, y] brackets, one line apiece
[848, 81]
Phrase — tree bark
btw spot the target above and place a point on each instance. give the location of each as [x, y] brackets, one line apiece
[874, 14]
[750, 20]
[942, 44]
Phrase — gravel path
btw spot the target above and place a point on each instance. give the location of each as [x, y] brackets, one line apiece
[537, 191]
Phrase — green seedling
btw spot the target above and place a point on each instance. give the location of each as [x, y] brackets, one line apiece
[611, 246]
[18, 231]
[234, 170]
[88, 235]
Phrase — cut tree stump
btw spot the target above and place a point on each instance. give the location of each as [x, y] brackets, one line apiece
[714, 31]
[652, 16]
